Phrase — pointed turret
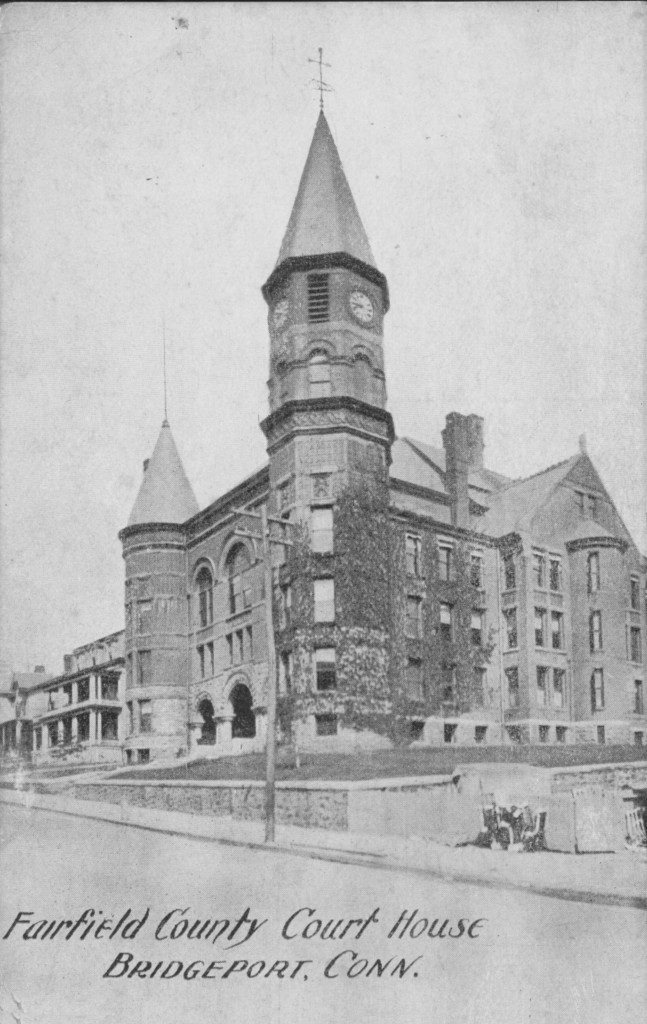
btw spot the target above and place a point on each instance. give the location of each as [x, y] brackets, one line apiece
[324, 217]
[165, 495]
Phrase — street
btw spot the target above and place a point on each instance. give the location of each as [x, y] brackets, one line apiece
[103, 923]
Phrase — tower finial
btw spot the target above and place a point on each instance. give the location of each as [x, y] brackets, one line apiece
[319, 82]
[164, 355]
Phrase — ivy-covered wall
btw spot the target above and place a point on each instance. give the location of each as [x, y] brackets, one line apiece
[372, 585]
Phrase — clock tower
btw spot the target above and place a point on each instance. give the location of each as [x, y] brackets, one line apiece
[328, 427]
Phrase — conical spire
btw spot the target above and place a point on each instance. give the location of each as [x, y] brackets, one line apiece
[324, 217]
[165, 495]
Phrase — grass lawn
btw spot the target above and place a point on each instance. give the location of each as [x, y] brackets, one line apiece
[388, 763]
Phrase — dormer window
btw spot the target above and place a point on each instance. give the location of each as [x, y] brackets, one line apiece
[318, 298]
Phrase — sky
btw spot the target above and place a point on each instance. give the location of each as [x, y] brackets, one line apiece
[151, 156]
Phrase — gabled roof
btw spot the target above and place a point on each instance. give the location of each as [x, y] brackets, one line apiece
[484, 479]
[513, 507]
[324, 217]
[165, 495]
[29, 680]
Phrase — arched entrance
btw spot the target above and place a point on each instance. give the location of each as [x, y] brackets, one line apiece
[208, 735]
[243, 725]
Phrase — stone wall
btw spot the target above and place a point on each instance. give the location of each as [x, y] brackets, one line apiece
[305, 807]
[610, 776]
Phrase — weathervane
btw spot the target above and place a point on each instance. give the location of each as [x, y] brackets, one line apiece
[319, 82]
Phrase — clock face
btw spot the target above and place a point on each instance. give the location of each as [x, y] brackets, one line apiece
[361, 307]
[280, 313]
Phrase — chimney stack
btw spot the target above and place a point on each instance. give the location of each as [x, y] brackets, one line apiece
[457, 462]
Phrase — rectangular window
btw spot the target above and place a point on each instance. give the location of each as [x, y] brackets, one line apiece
[597, 690]
[480, 733]
[449, 732]
[639, 706]
[476, 570]
[595, 631]
[413, 623]
[143, 756]
[285, 673]
[579, 501]
[593, 572]
[560, 733]
[239, 646]
[559, 687]
[211, 658]
[634, 593]
[448, 683]
[544, 733]
[145, 613]
[325, 668]
[249, 644]
[321, 485]
[416, 731]
[539, 570]
[635, 644]
[542, 685]
[324, 594]
[110, 725]
[601, 734]
[230, 647]
[509, 572]
[131, 719]
[67, 730]
[205, 602]
[67, 690]
[326, 725]
[446, 622]
[318, 298]
[414, 553]
[109, 686]
[284, 496]
[201, 660]
[84, 687]
[479, 686]
[556, 584]
[557, 630]
[285, 605]
[478, 622]
[638, 739]
[540, 627]
[512, 678]
[144, 666]
[445, 562]
[145, 716]
[321, 530]
[52, 730]
[593, 506]
[413, 673]
[510, 617]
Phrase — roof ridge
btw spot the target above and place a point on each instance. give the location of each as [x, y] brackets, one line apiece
[540, 472]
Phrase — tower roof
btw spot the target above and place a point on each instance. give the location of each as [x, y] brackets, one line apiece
[324, 217]
[165, 495]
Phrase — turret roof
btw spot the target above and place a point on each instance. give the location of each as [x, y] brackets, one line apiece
[324, 217]
[165, 495]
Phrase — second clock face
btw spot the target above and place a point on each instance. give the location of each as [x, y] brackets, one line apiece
[280, 313]
[361, 307]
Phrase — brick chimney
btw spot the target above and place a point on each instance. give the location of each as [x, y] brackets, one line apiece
[457, 461]
[475, 440]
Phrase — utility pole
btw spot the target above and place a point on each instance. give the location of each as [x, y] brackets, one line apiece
[270, 745]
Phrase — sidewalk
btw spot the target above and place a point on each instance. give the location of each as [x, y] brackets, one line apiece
[618, 879]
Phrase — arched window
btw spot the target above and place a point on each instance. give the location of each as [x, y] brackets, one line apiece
[238, 564]
[319, 375]
[363, 378]
[244, 723]
[208, 735]
[204, 581]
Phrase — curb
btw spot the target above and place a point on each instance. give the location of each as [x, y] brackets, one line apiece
[372, 851]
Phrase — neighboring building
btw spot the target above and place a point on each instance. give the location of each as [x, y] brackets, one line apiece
[16, 699]
[419, 596]
[77, 716]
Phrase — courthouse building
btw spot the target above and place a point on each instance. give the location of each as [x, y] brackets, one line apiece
[419, 596]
